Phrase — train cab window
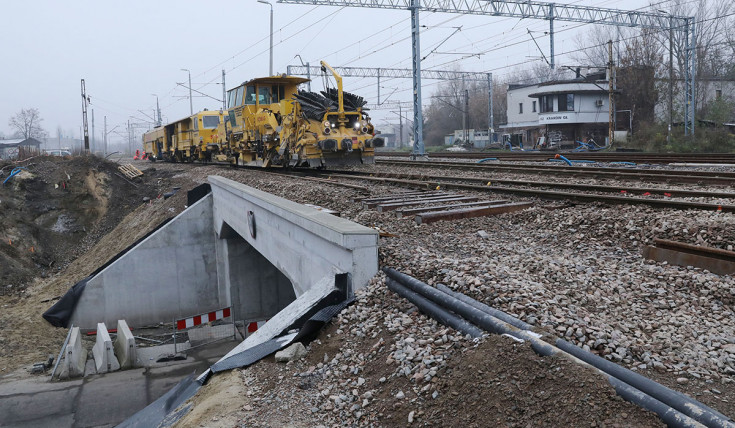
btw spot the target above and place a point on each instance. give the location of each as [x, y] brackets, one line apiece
[280, 90]
[210, 122]
[196, 123]
[238, 97]
[250, 95]
[264, 95]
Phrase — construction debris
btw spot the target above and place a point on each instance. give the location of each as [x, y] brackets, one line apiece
[130, 171]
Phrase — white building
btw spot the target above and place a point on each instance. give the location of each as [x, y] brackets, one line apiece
[557, 114]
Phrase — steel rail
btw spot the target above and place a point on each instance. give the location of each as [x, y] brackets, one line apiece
[638, 157]
[542, 194]
[696, 177]
[582, 187]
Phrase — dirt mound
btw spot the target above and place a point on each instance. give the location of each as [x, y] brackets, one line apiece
[54, 209]
[26, 337]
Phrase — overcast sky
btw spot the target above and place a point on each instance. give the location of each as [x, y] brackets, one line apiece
[127, 51]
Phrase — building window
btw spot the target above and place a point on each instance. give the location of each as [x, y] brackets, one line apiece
[566, 102]
[533, 106]
[718, 94]
[547, 104]
[520, 108]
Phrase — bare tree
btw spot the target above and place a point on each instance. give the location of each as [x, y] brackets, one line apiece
[27, 124]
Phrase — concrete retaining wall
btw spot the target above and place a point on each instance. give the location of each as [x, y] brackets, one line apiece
[304, 244]
[238, 247]
[171, 274]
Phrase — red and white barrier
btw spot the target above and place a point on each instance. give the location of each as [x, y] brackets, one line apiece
[254, 326]
[185, 323]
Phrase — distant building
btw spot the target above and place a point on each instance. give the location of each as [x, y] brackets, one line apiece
[557, 114]
[19, 147]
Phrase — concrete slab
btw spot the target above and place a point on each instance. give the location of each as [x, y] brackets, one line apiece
[125, 349]
[97, 400]
[104, 356]
[109, 398]
[18, 410]
[147, 356]
[285, 318]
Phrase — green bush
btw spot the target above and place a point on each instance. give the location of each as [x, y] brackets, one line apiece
[653, 138]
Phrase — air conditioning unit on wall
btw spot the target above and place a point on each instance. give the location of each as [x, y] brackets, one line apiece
[598, 103]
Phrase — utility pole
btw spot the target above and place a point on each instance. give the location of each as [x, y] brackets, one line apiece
[130, 139]
[93, 142]
[224, 92]
[465, 133]
[490, 124]
[84, 117]
[671, 77]
[271, 48]
[191, 103]
[400, 125]
[104, 148]
[158, 110]
[611, 131]
[466, 116]
[551, 35]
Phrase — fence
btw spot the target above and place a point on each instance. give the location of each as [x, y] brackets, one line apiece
[205, 328]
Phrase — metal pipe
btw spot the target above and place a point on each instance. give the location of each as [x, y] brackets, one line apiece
[433, 310]
[681, 402]
[485, 308]
[58, 358]
[619, 377]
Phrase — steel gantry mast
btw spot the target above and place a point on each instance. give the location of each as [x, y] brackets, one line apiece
[531, 10]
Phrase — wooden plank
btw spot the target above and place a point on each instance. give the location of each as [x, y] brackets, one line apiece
[431, 217]
[395, 206]
[130, 171]
[414, 211]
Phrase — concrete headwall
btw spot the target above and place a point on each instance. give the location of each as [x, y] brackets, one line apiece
[302, 243]
[171, 274]
[238, 247]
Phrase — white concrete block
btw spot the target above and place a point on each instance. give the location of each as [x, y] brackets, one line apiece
[125, 348]
[104, 356]
[75, 356]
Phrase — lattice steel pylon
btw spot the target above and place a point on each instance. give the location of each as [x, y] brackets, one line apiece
[531, 10]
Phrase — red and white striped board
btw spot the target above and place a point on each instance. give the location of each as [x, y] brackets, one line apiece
[254, 326]
[185, 323]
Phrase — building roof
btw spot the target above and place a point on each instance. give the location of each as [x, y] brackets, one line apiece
[20, 142]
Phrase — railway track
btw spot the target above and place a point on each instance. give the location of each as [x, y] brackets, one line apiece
[429, 182]
[634, 195]
[652, 176]
[637, 157]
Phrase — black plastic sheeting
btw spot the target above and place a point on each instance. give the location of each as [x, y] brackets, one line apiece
[60, 313]
[158, 413]
[320, 315]
[197, 193]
